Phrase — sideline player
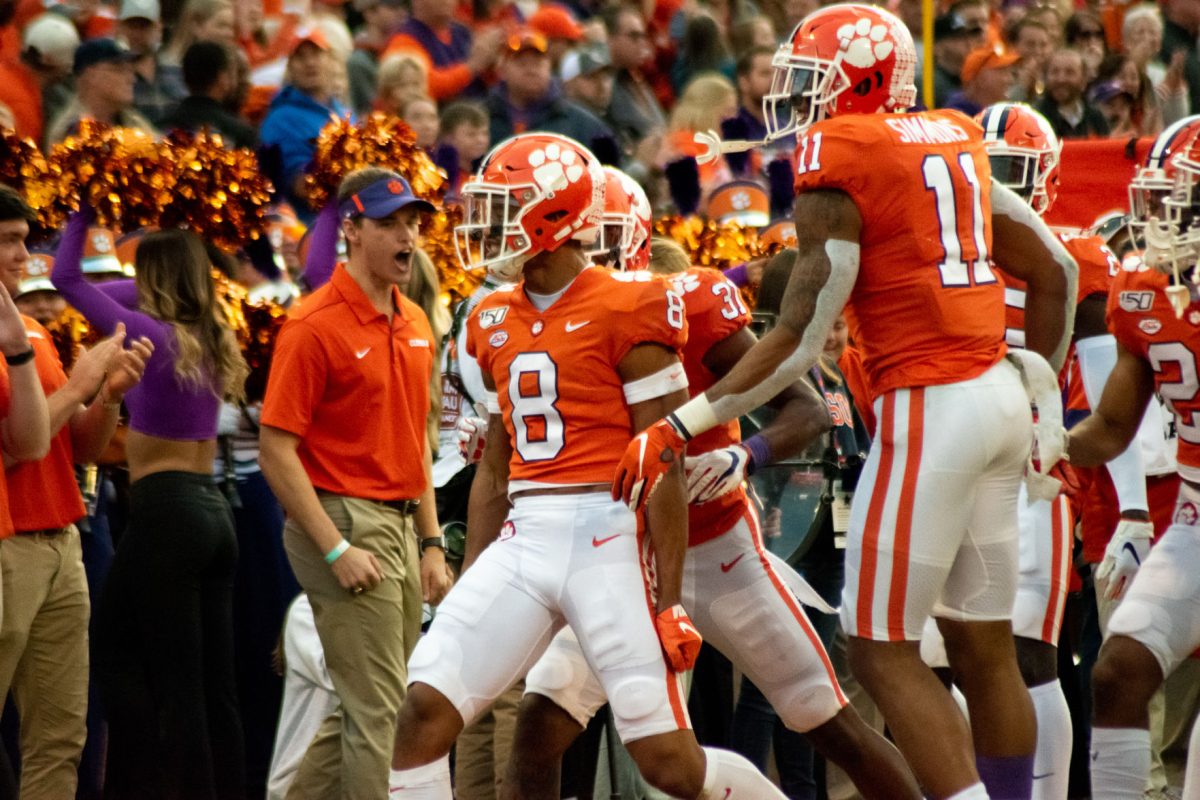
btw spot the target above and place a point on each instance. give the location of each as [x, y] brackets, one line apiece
[905, 237]
[1154, 315]
[577, 359]
[737, 598]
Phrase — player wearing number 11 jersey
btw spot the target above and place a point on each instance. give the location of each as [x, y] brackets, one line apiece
[574, 360]
[897, 218]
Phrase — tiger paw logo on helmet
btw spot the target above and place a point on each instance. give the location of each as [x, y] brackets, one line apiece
[554, 167]
[865, 44]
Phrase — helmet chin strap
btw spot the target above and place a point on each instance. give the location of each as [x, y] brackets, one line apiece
[509, 269]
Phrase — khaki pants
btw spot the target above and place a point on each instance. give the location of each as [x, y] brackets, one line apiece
[482, 750]
[44, 656]
[367, 640]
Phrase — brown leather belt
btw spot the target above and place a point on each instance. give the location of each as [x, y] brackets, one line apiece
[45, 532]
[405, 507]
[586, 489]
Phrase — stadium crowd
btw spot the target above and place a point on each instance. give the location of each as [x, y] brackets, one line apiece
[212, 596]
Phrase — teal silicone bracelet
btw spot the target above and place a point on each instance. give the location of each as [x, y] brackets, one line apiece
[336, 553]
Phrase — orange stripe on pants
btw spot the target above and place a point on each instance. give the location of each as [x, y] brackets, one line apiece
[870, 545]
[904, 516]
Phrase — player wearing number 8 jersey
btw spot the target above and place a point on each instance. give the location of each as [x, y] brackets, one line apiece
[933, 525]
[573, 359]
[1155, 316]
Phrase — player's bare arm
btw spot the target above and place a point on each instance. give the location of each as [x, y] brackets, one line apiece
[666, 512]
[803, 414]
[827, 226]
[1113, 424]
[1024, 247]
[488, 504]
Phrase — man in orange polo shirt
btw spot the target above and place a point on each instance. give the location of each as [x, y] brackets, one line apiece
[43, 631]
[344, 449]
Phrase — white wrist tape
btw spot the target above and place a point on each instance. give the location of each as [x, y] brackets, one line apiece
[491, 402]
[667, 380]
[1097, 357]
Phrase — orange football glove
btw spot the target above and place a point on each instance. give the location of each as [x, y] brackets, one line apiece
[1067, 477]
[646, 460]
[680, 639]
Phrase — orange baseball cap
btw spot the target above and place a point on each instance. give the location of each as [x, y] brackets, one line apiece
[35, 274]
[527, 39]
[555, 22]
[986, 58]
[311, 35]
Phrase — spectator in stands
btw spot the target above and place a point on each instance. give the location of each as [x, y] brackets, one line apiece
[1031, 41]
[139, 26]
[103, 90]
[634, 108]
[1116, 104]
[751, 33]
[421, 114]
[1142, 38]
[987, 77]
[1084, 33]
[1181, 26]
[463, 141]
[380, 20]
[1150, 110]
[953, 39]
[456, 58]
[1063, 104]
[559, 26]
[587, 78]
[201, 21]
[299, 111]
[36, 85]
[401, 78]
[754, 75]
[210, 71]
[702, 49]
[1047, 14]
[527, 99]
[708, 100]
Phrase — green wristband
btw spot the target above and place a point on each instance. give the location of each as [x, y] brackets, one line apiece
[336, 553]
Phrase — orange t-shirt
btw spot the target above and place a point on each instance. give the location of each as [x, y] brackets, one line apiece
[19, 91]
[555, 371]
[714, 311]
[355, 389]
[1142, 320]
[927, 308]
[43, 494]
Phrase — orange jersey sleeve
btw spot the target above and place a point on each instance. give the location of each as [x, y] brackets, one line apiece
[927, 307]
[556, 371]
[443, 82]
[715, 311]
[1143, 322]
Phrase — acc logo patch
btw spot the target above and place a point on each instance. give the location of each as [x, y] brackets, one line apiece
[1137, 301]
[1150, 326]
[491, 317]
[498, 338]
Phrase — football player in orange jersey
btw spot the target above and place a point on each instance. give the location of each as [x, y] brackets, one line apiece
[574, 360]
[896, 215]
[736, 593]
[1154, 314]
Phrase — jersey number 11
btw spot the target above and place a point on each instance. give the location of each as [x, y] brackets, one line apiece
[955, 269]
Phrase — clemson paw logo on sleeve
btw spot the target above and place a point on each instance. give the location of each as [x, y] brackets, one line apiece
[864, 44]
[555, 168]
[686, 283]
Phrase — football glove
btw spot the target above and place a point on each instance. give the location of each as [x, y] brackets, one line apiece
[679, 637]
[647, 458]
[1126, 551]
[715, 473]
[471, 433]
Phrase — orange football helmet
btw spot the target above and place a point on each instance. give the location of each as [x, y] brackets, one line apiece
[532, 193]
[847, 58]
[1024, 152]
[1173, 235]
[625, 227]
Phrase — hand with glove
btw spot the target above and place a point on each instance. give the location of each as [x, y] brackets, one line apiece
[1126, 551]
[647, 458]
[679, 637]
[471, 433]
[715, 473]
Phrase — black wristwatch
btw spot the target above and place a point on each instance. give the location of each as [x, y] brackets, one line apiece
[433, 541]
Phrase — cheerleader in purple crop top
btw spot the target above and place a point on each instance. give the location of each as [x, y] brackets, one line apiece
[164, 623]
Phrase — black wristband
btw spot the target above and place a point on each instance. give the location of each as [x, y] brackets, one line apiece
[19, 358]
[433, 541]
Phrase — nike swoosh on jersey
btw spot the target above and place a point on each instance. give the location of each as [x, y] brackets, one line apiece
[574, 326]
[726, 567]
[597, 542]
[361, 353]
